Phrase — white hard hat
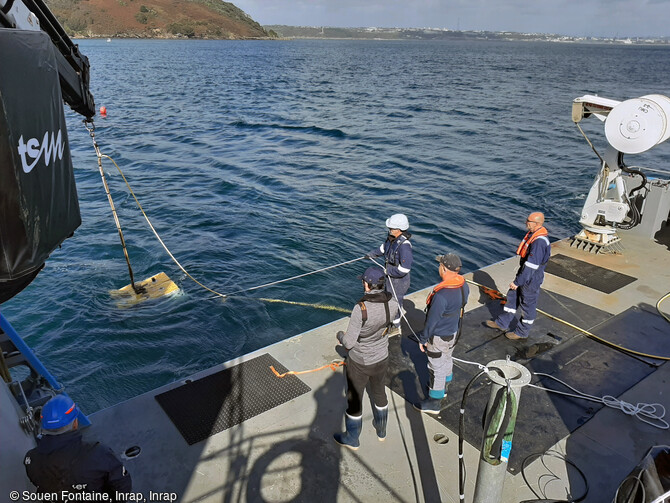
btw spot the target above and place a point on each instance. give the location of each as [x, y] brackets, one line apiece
[398, 221]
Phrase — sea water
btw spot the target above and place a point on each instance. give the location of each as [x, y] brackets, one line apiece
[261, 160]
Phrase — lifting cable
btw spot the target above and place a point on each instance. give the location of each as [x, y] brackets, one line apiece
[174, 259]
[90, 126]
[589, 142]
[500, 295]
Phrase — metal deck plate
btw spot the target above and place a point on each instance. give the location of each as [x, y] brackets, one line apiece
[583, 273]
[218, 401]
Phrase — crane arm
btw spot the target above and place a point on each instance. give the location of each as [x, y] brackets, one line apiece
[73, 67]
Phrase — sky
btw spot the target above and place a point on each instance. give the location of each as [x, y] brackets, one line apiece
[596, 18]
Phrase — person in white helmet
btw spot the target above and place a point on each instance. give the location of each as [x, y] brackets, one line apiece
[397, 251]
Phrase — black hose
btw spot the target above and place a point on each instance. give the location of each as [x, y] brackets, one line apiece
[634, 214]
[566, 461]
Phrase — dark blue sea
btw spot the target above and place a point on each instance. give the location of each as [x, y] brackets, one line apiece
[261, 160]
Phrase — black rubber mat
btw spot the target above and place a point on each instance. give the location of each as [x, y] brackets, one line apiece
[201, 408]
[583, 273]
[544, 417]
[641, 329]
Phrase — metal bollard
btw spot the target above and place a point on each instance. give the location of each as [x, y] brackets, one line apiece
[491, 477]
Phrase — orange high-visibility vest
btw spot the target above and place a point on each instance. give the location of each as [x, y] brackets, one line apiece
[455, 282]
[524, 246]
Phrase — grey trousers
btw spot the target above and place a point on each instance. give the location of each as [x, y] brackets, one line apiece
[440, 365]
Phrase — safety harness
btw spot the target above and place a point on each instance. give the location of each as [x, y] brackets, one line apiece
[381, 297]
[391, 254]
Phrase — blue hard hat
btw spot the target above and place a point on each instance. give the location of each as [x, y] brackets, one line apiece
[58, 412]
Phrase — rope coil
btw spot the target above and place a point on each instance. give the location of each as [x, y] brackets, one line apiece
[650, 413]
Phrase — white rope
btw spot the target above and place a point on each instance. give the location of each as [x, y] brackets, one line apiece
[153, 229]
[650, 413]
[479, 365]
[295, 277]
[402, 313]
[395, 296]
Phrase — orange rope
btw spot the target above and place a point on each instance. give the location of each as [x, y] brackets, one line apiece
[332, 366]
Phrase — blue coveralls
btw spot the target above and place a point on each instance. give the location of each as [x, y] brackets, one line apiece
[66, 463]
[528, 279]
[439, 334]
[398, 255]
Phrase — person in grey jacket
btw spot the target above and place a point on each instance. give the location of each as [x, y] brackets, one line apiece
[366, 339]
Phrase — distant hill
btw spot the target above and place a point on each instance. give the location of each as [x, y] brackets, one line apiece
[327, 32]
[156, 19]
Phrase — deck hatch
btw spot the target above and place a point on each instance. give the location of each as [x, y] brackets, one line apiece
[596, 277]
[201, 408]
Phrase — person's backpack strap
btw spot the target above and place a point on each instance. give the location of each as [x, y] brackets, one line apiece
[364, 312]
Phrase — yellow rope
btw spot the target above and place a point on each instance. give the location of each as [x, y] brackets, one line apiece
[225, 296]
[585, 332]
[306, 304]
[658, 306]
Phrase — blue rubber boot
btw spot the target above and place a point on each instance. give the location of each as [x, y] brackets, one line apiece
[381, 416]
[349, 438]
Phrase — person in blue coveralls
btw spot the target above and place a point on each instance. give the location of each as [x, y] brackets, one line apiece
[62, 461]
[444, 311]
[366, 339]
[397, 252]
[534, 252]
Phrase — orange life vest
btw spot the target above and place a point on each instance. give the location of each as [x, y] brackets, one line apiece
[455, 282]
[524, 246]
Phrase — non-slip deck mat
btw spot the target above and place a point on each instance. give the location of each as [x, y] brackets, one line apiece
[583, 273]
[218, 401]
[544, 417]
[641, 329]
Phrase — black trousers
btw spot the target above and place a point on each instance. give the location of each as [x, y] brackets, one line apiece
[358, 377]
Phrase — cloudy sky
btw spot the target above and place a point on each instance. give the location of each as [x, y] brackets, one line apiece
[622, 18]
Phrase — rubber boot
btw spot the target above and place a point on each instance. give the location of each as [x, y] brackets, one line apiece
[381, 416]
[349, 438]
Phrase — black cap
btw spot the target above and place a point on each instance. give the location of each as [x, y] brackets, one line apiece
[450, 261]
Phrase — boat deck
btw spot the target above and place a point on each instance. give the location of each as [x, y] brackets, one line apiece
[287, 453]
